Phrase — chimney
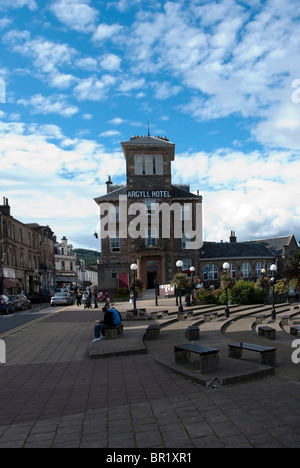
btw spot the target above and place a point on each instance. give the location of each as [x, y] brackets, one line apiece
[109, 184]
[233, 238]
[5, 208]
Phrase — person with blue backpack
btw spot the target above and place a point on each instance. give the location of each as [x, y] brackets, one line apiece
[112, 318]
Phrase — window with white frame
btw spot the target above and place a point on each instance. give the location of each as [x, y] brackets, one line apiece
[210, 272]
[115, 244]
[151, 240]
[159, 164]
[149, 169]
[232, 270]
[114, 214]
[246, 270]
[149, 164]
[187, 263]
[138, 160]
[258, 269]
[186, 212]
[269, 272]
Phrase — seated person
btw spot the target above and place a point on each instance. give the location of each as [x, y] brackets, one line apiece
[112, 318]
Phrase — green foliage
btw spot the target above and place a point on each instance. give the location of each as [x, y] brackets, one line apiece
[89, 256]
[246, 293]
[207, 297]
[292, 270]
[122, 293]
[180, 281]
[241, 293]
[281, 287]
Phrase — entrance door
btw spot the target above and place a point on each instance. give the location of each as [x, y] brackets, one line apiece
[151, 279]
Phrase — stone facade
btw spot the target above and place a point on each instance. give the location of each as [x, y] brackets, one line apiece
[26, 255]
[154, 250]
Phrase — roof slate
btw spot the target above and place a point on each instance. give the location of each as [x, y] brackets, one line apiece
[225, 250]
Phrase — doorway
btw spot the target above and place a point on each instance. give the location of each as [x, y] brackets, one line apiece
[151, 279]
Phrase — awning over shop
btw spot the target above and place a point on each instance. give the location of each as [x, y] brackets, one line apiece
[10, 283]
[65, 279]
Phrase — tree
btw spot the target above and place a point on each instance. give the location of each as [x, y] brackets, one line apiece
[292, 270]
[180, 281]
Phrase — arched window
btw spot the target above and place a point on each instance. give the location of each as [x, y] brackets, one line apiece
[210, 272]
[233, 270]
[246, 270]
[258, 269]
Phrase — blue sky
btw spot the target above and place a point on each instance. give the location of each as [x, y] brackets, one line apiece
[220, 79]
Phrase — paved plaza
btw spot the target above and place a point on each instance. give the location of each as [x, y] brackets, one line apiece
[58, 389]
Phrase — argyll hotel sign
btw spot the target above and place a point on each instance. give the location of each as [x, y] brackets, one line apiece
[149, 194]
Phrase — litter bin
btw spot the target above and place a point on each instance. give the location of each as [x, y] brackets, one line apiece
[187, 300]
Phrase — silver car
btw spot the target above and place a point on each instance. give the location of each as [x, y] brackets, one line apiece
[20, 302]
[61, 298]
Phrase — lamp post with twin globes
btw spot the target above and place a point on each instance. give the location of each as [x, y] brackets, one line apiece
[134, 268]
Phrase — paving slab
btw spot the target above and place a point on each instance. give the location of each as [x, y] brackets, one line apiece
[53, 395]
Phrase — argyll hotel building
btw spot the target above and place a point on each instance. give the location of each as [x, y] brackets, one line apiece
[150, 221]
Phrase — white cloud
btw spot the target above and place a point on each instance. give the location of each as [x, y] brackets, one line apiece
[93, 89]
[110, 62]
[129, 84]
[47, 56]
[6, 4]
[253, 194]
[58, 184]
[109, 133]
[48, 105]
[106, 31]
[76, 14]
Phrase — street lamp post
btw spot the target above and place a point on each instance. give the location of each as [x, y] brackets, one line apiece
[273, 269]
[134, 268]
[226, 267]
[179, 265]
[192, 270]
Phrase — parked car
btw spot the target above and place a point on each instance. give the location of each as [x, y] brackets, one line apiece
[61, 298]
[6, 305]
[20, 302]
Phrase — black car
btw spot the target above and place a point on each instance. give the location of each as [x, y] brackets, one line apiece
[6, 306]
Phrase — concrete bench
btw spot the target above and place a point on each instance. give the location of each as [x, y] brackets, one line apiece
[260, 318]
[193, 333]
[112, 333]
[158, 314]
[210, 316]
[294, 330]
[267, 355]
[286, 320]
[152, 332]
[208, 357]
[267, 332]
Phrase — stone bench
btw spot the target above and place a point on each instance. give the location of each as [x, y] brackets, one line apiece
[267, 355]
[189, 314]
[267, 332]
[193, 333]
[260, 318]
[294, 330]
[152, 332]
[210, 316]
[131, 314]
[286, 320]
[208, 357]
[158, 314]
[112, 333]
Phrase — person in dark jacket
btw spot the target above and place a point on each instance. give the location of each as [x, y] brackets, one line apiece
[112, 318]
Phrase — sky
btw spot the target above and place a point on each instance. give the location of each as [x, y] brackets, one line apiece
[220, 79]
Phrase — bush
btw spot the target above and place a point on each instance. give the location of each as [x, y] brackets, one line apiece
[246, 293]
[122, 293]
[207, 297]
